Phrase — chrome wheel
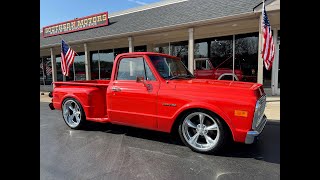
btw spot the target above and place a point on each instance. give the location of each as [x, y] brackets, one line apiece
[201, 131]
[71, 113]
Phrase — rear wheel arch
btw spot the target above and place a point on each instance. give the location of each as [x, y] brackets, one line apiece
[70, 96]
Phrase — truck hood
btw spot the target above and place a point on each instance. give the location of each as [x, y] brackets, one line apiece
[220, 86]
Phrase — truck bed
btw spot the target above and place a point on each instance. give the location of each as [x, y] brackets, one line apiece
[90, 94]
[95, 83]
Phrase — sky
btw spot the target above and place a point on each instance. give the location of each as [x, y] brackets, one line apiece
[55, 11]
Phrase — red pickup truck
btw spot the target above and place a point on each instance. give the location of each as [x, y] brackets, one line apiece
[157, 92]
[205, 70]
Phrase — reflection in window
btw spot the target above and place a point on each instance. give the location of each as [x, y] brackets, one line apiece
[79, 65]
[203, 64]
[201, 49]
[59, 71]
[120, 51]
[180, 49]
[130, 69]
[140, 48]
[149, 74]
[221, 52]
[161, 48]
[45, 71]
[101, 64]
[246, 53]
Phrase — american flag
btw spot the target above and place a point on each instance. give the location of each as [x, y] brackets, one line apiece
[67, 58]
[268, 45]
[48, 68]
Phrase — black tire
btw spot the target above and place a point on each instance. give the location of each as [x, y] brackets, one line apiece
[74, 124]
[223, 131]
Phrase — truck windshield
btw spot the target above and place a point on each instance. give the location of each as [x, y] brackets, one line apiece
[170, 68]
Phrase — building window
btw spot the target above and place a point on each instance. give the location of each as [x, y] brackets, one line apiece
[79, 65]
[120, 51]
[140, 48]
[45, 71]
[180, 49]
[76, 70]
[221, 52]
[101, 64]
[246, 55]
[58, 67]
[161, 48]
[201, 49]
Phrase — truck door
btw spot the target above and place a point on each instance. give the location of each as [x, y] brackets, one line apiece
[203, 69]
[134, 102]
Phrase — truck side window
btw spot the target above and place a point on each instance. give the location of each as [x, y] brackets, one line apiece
[202, 65]
[131, 68]
[149, 74]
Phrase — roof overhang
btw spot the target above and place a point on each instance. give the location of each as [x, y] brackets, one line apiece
[164, 28]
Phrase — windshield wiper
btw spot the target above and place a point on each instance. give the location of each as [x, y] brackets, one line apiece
[181, 77]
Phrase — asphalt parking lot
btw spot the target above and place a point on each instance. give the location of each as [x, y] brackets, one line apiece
[104, 151]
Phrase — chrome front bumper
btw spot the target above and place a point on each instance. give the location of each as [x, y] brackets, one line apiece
[251, 135]
[51, 106]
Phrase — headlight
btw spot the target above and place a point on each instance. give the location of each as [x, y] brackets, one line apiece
[258, 113]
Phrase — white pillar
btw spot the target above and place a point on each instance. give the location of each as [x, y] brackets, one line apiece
[131, 47]
[260, 60]
[190, 50]
[275, 64]
[87, 62]
[53, 65]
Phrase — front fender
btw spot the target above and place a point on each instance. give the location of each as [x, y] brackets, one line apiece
[207, 106]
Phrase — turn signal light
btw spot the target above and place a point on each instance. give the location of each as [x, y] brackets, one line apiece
[241, 113]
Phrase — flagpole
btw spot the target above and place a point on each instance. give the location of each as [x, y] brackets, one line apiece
[67, 44]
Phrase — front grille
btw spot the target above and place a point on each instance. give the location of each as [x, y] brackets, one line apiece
[258, 114]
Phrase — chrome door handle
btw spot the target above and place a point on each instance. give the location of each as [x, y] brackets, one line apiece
[114, 88]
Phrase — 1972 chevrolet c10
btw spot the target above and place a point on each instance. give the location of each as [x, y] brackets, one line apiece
[156, 91]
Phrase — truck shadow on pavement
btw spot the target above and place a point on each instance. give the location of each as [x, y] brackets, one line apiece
[267, 148]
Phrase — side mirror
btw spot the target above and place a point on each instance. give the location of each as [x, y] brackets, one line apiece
[140, 79]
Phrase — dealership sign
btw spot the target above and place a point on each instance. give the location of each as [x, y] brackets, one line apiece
[78, 24]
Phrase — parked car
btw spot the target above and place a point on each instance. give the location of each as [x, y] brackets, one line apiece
[157, 92]
[205, 70]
